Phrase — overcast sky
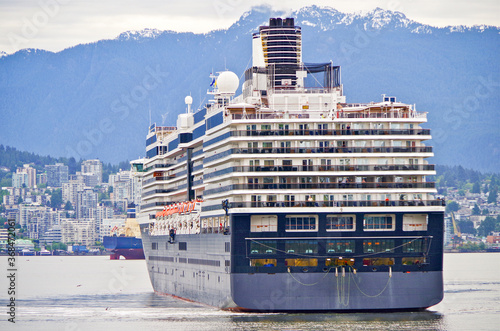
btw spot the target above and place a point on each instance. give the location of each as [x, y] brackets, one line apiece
[58, 24]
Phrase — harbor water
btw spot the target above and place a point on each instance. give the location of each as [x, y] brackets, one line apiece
[95, 293]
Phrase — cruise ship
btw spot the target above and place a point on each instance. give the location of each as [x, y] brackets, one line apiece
[287, 198]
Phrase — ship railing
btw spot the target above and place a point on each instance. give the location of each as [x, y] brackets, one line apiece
[153, 204]
[312, 186]
[370, 149]
[166, 128]
[339, 204]
[152, 192]
[382, 114]
[198, 182]
[157, 178]
[330, 168]
[156, 166]
[308, 90]
[316, 114]
[321, 132]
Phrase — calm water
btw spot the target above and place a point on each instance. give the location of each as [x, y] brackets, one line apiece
[95, 293]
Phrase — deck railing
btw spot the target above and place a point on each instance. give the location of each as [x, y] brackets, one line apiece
[316, 204]
[318, 132]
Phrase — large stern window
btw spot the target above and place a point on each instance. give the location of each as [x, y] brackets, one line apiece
[301, 223]
[379, 222]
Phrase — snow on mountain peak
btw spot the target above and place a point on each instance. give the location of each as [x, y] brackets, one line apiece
[138, 35]
[328, 18]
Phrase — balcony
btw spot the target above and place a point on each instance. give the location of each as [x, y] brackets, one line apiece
[345, 132]
[315, 186]
[316, 204]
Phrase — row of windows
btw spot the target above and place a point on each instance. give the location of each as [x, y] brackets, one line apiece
[334, 262]
[338, 222]
[213, 263]
[336, 246]
[183, 246]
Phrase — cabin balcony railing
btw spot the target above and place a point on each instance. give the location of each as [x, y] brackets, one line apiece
[371, 149]
[157, 178]
[319, 132]
[297, 114]
[322, 168]
[319, 186]
[315, 204]
[157, 166]
[148, 193]
[280, 150]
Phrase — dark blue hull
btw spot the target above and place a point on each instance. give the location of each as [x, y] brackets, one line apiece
[111, 242]
[128, 247]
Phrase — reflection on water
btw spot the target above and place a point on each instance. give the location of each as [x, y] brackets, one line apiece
[147, 310]
[371, 321]
[93, 293]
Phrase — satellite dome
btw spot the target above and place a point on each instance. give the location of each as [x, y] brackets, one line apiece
[227, 82]
[188, 100]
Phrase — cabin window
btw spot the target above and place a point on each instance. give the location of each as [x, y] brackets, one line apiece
[378, 261]
[267, 145]
[263, 247]
[415, 222]
[256, 200]
[413, 260]
[339, 246]
[340, 222]
[301, 247]
[378, 246]
[301, 223]
[268, 163]
[264, 223]
[154, 246]
[415, 245]
[182, 246]
[301, 262]
[379, 222]
[334, 262]
[262, 262]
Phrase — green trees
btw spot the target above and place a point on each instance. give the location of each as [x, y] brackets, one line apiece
[452, 206]
[476, 210]
[56, 198]
[467, 227]
[68, 206]
[488, 225]
[492, 196]
[476, 188]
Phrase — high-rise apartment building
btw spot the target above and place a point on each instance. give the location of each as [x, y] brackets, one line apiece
[93, 167]
[57, 174]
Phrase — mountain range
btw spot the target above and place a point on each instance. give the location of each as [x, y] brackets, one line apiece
[97, 100]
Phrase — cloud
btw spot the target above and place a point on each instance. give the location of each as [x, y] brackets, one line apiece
[58, 24]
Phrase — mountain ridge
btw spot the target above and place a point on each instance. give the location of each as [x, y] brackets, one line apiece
[86, 101]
